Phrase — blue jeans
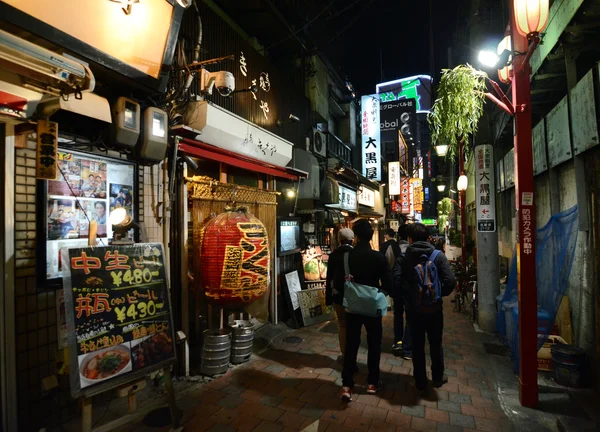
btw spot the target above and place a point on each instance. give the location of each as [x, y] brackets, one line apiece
[401, 331]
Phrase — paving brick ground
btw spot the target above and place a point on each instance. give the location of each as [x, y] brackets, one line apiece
[293, 387]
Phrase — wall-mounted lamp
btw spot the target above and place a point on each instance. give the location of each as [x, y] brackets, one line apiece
[121, 223]
[290, 193]
[291, 119]
[126, 5]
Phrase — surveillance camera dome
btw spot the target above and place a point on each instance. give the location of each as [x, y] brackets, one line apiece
[225, 83]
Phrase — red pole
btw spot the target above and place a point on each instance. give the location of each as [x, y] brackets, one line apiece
[528, 322]
[463, 202]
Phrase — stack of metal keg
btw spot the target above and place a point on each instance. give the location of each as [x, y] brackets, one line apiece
[216, 351]
[241, 342]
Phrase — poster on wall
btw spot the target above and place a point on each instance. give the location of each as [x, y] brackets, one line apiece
[314, 262]
[118, 315]
[88, 188]
[371, 141]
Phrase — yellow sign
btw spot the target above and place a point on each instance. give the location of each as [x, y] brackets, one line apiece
[47, 148]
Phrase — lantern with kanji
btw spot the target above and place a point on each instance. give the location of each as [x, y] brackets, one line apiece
[235, 259]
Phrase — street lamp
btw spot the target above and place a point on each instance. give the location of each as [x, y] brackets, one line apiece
[441, 187]
[505, 46]
[488, 58]
[441, 149]
[463, 183]
[531, 16]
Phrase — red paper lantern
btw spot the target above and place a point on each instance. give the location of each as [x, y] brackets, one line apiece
[235, 259]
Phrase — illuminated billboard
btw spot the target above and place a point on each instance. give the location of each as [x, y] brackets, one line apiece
[417, 87]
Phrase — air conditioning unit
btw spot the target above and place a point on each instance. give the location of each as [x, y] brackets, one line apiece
[319, 143]
[43, 70]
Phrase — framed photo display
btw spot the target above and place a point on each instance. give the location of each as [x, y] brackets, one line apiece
[88, 188]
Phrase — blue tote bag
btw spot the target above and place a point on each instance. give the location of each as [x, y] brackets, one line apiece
[362, 299]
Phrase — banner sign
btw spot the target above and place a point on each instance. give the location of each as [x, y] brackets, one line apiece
[399, 116]
[485, 190]
[118, 315]
[366, 196]
[417, 186]
[371, 142]
[394, 178]
[47, 149]
[405, 195]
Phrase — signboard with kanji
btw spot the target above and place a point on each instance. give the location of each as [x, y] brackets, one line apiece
[485, 188]
[371, 141]
[394, 178]
[118, 311]
[404, 195]
[417, 186]
[47, 149]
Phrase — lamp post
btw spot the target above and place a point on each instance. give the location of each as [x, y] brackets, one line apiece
[462, 185]
[527, 19]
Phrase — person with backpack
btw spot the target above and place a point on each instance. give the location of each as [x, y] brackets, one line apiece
[428, 278]
[334, 284]
[402, 341]
[368, 280]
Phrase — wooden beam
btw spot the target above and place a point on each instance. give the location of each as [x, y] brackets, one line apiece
[549, 75]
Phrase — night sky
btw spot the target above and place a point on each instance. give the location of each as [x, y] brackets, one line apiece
[400, 30]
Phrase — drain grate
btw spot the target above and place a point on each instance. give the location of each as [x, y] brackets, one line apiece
[292, 340]
[496, 349]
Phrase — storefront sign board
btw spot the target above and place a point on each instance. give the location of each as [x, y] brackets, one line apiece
[366, 196]
[313, 307]
[47, 149]
[371, 140]
[485, 188]
[118, 315]
[394, 178]
[405, 204]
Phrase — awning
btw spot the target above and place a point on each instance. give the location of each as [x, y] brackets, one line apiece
[207, 151]
[365, 211]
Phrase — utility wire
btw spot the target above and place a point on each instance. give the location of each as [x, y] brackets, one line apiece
[303, 27]
[352, 21]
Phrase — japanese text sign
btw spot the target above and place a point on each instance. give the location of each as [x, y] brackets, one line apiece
[118, 314]
[371, 141]
[485, 188]
[366, 196]
[417, 186]
[404, 195]
[527, 241]
[394, 178]
[47, 149]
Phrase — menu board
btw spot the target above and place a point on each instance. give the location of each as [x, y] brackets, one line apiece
[313, 307]
[288, 236]
[88, 188]
[314, 262]
[118, 315]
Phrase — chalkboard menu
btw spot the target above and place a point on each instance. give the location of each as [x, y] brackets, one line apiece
[118, 315]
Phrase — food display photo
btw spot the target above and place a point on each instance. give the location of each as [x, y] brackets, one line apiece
[104, 364]
[315, 260]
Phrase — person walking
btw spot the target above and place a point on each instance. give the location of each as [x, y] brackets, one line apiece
[390, 248]
[366, 267]
[334, 284]
[426, 270]
[402, 341]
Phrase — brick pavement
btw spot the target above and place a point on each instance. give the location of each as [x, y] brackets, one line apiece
[296, 387]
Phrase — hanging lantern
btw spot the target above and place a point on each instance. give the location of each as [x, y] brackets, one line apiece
[235, 259]
[504, 74]
[531, 16]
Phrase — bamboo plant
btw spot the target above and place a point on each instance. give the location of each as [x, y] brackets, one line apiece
[459, 106]
[444, 211]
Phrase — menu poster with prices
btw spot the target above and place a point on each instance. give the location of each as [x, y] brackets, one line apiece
[313, 306]
[119, 320]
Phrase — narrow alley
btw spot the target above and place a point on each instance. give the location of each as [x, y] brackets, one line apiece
[295, 385]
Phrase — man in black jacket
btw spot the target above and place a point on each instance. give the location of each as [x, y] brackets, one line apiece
[390, 248]
[421, 323]
[367, 267]
[334, 284]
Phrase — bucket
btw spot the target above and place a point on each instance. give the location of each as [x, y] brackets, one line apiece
[241, 341]
[216, 352]
[568, 362]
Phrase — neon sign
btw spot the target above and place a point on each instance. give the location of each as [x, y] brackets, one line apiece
[415, 87]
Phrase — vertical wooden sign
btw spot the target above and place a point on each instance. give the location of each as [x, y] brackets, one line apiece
[47, 149]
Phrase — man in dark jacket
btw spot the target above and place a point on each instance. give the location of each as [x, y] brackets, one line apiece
[390, 248]
[334, 284]
[402, 341]
[420, 323]
[367, 267]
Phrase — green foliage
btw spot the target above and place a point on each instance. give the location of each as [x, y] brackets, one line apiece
[444, 211]
[458, 107]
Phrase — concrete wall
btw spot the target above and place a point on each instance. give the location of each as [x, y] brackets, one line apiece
[317, 89]
[35, 309]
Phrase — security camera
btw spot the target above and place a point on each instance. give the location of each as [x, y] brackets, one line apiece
[224, 82]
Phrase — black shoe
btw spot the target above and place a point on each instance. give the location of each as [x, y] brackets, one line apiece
[397, 348]
[439, 383]
[406, 355]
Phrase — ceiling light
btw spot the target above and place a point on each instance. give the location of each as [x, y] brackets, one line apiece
[290, 193]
